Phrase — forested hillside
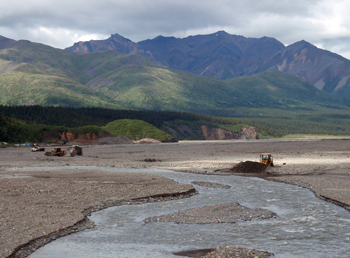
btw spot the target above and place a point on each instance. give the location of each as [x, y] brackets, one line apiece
[170, 122]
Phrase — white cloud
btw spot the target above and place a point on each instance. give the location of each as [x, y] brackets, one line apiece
[60, 23]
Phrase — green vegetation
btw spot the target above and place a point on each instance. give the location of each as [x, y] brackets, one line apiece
[14, 131]
[18, 88]
[269, 124]
[136, 129]
[18, 131]
[39, 74]
[128, 122]
[100, 87]
[280, 127]
[76, 117]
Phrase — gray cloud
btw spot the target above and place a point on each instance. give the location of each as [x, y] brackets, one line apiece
[60, 23]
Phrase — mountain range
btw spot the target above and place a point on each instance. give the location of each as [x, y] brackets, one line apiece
[217, 74]
[223, 56]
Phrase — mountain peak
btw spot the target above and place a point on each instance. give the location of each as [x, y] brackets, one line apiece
[221, 32]
[302, 43]
[119, 37]
[164, 37]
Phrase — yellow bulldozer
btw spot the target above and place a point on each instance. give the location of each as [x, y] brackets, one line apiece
[56, 152]
[266, 158]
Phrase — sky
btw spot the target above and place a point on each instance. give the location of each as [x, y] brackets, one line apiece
[61, 23]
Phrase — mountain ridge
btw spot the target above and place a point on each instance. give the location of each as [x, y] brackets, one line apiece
[36, 74]
[174, 51]
[224, 56]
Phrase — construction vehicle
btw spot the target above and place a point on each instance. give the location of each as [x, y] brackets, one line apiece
[56, 152]
[266, 158]
[38, 148]
[76, 150]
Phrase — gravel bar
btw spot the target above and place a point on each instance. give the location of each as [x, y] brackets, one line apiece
[221, 213]
[232, 251]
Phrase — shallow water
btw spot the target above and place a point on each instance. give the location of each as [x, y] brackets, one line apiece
[305, 226]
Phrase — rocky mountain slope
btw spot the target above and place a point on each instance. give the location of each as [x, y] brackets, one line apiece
[219, 55]
[223, 56]
[325, 70]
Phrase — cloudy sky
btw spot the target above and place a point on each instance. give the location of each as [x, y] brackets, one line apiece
[60, 23]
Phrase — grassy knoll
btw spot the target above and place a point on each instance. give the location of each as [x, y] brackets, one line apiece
[136, 129]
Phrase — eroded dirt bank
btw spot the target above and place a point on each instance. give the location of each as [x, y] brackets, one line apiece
[35, 201]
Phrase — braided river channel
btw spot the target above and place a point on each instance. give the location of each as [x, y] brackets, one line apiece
[305, 225]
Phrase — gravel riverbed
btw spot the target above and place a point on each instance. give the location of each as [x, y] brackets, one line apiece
[39, 205]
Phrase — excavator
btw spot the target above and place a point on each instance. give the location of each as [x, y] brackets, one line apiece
[266, 158]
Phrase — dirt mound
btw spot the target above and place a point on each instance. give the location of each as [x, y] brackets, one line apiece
[249, 167]
[147, 140]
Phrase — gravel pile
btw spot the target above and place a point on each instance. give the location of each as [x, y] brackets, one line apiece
[249, 167]
[232, 251]
[221, 213]
[146, 140]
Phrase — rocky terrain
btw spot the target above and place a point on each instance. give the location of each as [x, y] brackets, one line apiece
[221, 134]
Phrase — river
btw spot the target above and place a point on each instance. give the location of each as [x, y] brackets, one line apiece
[305, 227]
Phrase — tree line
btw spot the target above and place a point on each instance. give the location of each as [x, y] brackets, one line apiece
[39, 118]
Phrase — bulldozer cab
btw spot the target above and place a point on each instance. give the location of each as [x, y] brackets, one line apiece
[58, 152]
[266, 158]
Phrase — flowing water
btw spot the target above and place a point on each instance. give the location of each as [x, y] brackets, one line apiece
[305, 226]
